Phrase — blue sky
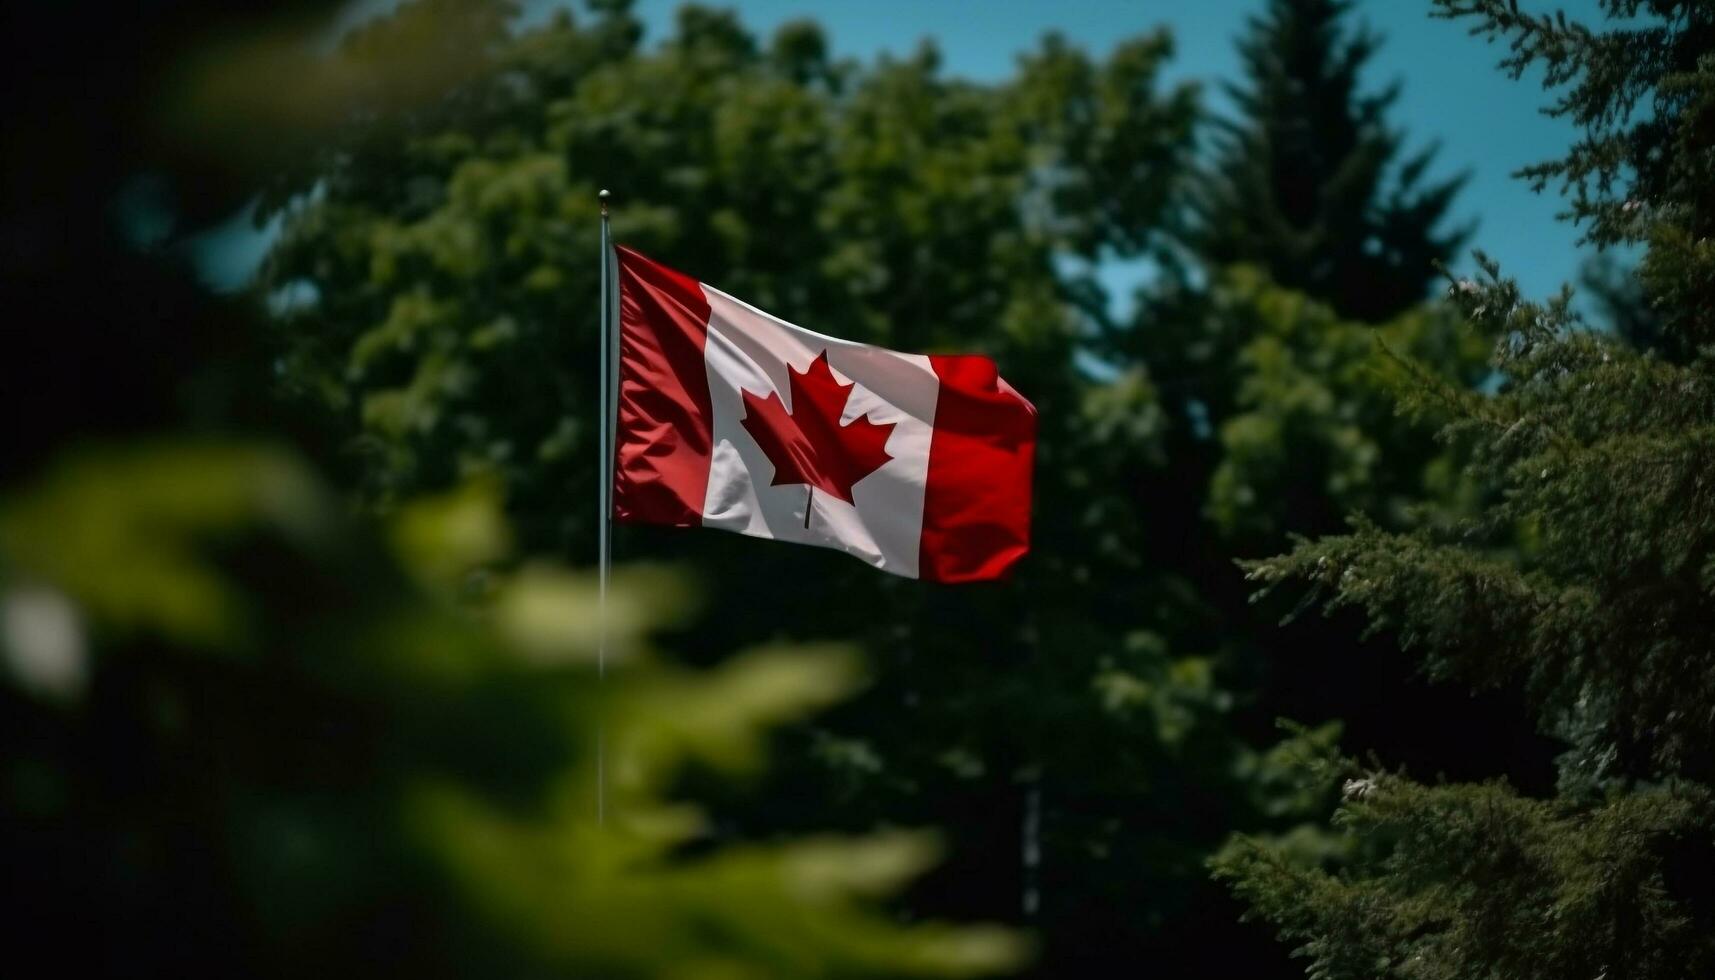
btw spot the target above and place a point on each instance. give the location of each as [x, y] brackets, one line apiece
[1485, 123]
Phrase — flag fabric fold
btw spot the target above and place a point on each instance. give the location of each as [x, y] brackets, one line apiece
[731, 418]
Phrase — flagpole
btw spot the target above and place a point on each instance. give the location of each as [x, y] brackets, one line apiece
[604, 558]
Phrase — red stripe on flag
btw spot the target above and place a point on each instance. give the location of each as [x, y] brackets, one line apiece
[665, 436]
[976, 506]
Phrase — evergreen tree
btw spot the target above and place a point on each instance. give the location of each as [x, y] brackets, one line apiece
[1309, 182]
[1586, 579]
[1275, 417]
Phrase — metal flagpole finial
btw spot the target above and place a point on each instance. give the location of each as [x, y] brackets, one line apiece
[603, 198]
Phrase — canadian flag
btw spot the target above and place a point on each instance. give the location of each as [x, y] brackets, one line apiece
[731, 418]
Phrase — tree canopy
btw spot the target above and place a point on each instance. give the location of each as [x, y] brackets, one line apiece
[1582, 578]
[295, 631]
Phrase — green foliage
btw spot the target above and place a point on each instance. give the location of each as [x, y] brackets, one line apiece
[1311, 431]
[1474, 880]
[1308, 183]
[1585, 577]
[1279, 416]
[357, 773]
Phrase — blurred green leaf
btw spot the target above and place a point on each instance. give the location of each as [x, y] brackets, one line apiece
[123, 532]
[385, 754]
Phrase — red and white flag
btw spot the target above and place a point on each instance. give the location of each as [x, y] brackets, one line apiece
[731, 418]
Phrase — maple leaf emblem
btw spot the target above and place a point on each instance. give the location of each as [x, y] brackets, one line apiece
[808, 444]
